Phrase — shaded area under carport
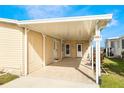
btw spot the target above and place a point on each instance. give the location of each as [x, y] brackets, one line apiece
[69, 69]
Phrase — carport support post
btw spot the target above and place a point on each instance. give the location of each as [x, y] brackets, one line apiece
[25, 52]
[98, 69]
[44, 49]
[92, 61]
[61, 49]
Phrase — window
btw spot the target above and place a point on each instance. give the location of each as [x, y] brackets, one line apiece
[67, 49]
[122, 43]
[79, 47]
[112, 44]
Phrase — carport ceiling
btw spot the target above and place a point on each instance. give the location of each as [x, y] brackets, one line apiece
[74, 28]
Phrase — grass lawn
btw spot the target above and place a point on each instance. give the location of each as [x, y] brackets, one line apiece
[7, 77]
[115, 77]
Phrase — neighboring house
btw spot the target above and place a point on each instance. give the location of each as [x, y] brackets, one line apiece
[114, 46]
[29, 45]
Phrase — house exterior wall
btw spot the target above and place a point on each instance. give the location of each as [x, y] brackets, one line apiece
[117, 46]
[35, 51]
[49, 44]
[59, 49]
[121, 44]
[11, 48]
[73, 48]
[49, 49]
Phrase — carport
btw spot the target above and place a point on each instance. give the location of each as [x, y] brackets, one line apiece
[82, 28]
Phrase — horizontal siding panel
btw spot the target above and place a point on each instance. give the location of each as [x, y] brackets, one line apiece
[49, 45]
[11, 48]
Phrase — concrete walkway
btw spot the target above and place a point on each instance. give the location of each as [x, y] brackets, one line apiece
[34, 82]
[68, 73]
[69, 69]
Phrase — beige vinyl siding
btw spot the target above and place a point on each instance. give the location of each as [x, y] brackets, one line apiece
[49, 45]
[50, 49]
[11, 48]
[86, 50]
[35, 51]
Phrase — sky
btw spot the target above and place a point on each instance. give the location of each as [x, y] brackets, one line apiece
[114, 29]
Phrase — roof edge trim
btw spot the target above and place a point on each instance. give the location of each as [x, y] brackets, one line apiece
[67, 19]
[9, 20]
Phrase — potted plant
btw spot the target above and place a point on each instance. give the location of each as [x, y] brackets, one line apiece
[122, 53]
[56, 60]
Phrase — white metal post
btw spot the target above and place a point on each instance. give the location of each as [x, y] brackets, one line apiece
[61, 50]
[99, 52]
[92, 59]
[90, 51]
[44, 49]
[97, 76]
[98, 63]
[99, 57]
[25, 52]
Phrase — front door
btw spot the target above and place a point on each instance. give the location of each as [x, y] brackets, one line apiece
[79, 50]
[67, 50]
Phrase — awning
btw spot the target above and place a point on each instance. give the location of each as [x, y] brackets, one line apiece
[68, 28]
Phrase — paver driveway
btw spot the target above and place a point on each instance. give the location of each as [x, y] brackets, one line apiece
[68, 73]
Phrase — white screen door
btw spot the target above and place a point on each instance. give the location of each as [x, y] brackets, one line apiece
[67, 50]
[79, 50]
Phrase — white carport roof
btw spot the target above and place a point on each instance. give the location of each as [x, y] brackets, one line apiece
[69, 28]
